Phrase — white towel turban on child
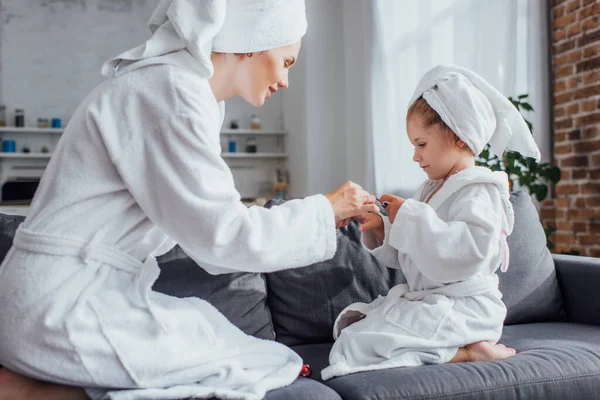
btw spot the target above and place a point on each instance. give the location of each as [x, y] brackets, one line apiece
[227, 26]
[477, 112]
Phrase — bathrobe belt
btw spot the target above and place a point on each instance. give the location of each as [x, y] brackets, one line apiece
[471, 287]
[37, 242]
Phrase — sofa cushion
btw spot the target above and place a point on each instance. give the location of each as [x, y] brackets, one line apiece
[8, 228]
[304, 302]
[241, 297]
[553, 361]
[303, 389]
[529, 287]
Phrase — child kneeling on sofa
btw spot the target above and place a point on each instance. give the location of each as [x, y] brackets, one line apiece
[448, 240]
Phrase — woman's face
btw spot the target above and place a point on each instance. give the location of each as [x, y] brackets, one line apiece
[265, 72]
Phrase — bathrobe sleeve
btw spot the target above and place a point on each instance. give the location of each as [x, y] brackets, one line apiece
[382, 251]
[177, 176]
[449, 251]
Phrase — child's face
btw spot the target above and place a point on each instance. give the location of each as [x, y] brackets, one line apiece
[435, 150]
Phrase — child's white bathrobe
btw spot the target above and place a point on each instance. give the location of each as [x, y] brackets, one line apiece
[449, 251]
[77, 305]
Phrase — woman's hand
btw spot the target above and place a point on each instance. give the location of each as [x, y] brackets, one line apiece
[372, 222]
[350, 200]
[342, 223]
[394, 205]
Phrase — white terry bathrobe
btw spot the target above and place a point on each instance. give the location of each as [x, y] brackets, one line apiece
[137, 170]
[448, 249]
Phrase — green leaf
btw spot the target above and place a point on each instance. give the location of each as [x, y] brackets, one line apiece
[553, 174]
[539, 190]
[523, 96]
[511, 156]
[527, 106]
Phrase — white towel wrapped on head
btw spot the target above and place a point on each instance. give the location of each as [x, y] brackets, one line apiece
[247, 30]
[226, 26]
[477, 112]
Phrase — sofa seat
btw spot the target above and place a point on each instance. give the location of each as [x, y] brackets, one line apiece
[303, 389]
[554, 361]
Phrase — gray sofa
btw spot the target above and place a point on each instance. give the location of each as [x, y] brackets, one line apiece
[553, 319]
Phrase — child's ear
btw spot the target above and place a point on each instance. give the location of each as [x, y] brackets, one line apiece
[460, 144]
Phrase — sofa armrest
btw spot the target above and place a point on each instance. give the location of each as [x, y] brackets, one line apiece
[579, 280]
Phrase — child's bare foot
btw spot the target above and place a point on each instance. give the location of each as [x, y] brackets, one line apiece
[483, 351]
[14, 386]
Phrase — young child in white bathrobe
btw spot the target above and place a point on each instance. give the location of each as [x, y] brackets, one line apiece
[448, 240]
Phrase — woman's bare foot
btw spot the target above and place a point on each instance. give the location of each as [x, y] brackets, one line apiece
[483, 351]
[14, 386]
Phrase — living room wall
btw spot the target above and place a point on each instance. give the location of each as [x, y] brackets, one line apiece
[575, 210]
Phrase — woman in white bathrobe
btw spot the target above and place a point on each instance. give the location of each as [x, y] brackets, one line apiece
[448, 240]
[137, 170]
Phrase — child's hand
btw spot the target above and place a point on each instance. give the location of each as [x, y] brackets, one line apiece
[394, 205]
[371, 222]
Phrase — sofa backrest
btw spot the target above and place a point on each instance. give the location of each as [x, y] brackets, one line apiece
[241, 297]
[530, 287]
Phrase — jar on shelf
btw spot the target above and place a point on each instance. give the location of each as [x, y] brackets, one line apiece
[251, 144]
[19, 118]
[255, 122]
[2, 116]
[43, 123]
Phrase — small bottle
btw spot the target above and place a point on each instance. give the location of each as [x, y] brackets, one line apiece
[19, 118]
[255, 123]
[2, 116]
[232, 146]
[251, 145]
[234, 124]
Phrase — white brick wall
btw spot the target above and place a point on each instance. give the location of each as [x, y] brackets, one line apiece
[51, 52]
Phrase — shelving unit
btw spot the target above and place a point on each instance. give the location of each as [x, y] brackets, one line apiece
[253, 172]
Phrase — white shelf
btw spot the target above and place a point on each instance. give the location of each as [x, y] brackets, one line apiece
[25, 155]
[225, 155]
[12, 129]
[254, 155]
[251, 132]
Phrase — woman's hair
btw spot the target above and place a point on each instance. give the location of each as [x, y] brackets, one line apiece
[430, 117]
